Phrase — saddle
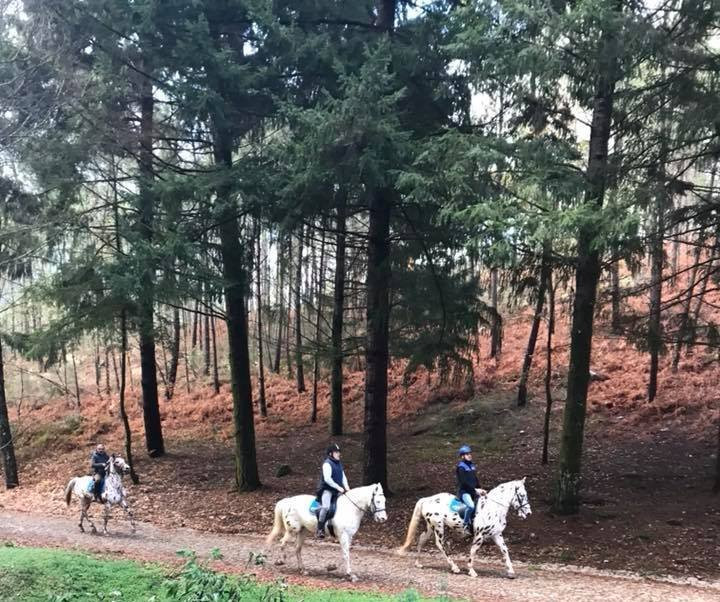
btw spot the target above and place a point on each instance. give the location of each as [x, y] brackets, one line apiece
[315, 506]
[457, 505]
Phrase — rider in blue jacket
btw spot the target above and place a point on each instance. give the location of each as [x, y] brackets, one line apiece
[468, 484]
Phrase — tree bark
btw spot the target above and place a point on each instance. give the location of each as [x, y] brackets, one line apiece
[288, 362]
[548, 367]
[534, 329]
[174, 356]
[280, 305]
[586, 279]
[495, 329]
[657, 256]
[298, 317]
[247, 477]
[336, 378]
[685, 316]
[320, 286]
[151, 408]
[7, 445]
[261, 367]
[615, 296]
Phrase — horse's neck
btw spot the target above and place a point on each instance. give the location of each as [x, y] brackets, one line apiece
[360, 497]
[502, 495]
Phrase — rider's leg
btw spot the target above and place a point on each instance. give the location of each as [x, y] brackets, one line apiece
[97, 480]
[469, 511]
[325, 501]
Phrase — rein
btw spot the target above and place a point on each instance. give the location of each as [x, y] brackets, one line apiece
[521, 504]
[364, 511]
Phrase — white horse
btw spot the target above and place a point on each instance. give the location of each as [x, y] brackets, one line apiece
[113, 493]
[294, 514]
[489, 522]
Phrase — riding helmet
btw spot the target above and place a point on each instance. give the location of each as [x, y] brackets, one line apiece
[333, 448]
[465, 449]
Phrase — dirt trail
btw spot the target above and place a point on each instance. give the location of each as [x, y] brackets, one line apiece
[377, 569]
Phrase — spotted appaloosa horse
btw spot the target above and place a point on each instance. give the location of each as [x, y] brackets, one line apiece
[293, 514]
[113, 493]
[489, 522]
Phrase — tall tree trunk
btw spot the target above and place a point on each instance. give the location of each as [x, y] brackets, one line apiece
[298, 317]
[320, 286]
[96, 364]
[548, 367]
[289, 309]
[75, 378]
[586, 279]
[196, 319]
[685, 316]
[378, 312]
[261, 366]
[657, 257]
[7, 445]
[534, 329]
[615, 295]
[247, 477]
[174, 355]
[151, 408]
[280, 305]
[496, 327]
[185, 350]
[206, 369]
[123, 347]
[336, 378]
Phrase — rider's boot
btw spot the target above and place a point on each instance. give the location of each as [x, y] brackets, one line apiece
[320, 533]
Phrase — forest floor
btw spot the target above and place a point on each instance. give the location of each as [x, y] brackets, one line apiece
[648, 467]
[378, 569]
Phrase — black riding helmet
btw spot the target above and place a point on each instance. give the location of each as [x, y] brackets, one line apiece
[333, 448]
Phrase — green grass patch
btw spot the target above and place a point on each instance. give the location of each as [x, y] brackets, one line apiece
[43, 575]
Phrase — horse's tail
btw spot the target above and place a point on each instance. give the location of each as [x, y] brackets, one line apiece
[417, 513]
[69, 490]
[277, 525]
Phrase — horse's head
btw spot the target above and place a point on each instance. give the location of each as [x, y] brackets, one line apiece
[520, 500]
[377, 504]
[119, 465]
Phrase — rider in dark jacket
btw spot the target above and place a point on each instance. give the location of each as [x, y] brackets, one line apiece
[333, 482]
[468, 484]
[98, 460]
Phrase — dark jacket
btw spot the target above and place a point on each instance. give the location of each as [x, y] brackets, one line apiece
[337, 476]
[98, 461]
[467, 479]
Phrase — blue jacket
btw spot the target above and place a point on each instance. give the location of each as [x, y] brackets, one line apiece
[467, 479]
[97, 463]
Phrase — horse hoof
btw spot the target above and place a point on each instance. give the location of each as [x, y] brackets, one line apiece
[455, 570]
[304, 572]
[353, 578]
[472, 573]
[331, 567]
[93, 531]
[418, 564]
[279, 562]
[511, 575]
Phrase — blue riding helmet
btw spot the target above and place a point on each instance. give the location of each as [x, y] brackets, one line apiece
[465, 449]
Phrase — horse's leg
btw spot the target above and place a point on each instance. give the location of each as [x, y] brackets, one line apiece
[82, 515]
[129, 514]
[299, 539]
[422, 540]
[345, 546]
[281, 547]
[477, 542]
[86, 507]
[439, 540]
[500, 543]
[106, 517]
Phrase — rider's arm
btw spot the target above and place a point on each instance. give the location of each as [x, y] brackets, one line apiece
[465, 477]
[345, 482]
[327, 477]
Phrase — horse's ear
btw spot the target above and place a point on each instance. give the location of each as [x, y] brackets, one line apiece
[523, 479]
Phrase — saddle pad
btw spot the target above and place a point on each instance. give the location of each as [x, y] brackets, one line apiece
[456, 505]
[314, 507]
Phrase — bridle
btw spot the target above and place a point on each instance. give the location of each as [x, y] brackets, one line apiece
[373, 506]
[515, 498]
